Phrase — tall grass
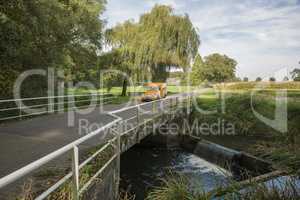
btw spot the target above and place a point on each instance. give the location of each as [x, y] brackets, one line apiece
[172, 189]
[176, 188]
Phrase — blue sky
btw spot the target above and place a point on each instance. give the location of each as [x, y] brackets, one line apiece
[262, 35]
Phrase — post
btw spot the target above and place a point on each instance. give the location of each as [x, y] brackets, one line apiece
[188, 105]
[119, 151]
[20, 109]
[170, 108]
[138, 115]
[138, 123]
[153, 107]
[75, 170]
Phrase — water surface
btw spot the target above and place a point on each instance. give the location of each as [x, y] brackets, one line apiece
[142, 168]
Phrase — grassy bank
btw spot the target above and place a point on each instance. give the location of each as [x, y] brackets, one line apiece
[280, 147]
[252, 136]
[176, 188]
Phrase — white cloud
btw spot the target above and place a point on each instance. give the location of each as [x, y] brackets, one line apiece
[263, 36]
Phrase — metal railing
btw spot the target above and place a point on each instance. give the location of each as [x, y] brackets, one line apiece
[27, 107]
[115, 142]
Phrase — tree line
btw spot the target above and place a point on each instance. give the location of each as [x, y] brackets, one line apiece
[294, 76]
[71, 34]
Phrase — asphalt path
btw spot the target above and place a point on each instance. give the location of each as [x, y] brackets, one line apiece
[23, 142]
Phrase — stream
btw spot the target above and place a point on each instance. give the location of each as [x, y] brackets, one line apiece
[143, 168]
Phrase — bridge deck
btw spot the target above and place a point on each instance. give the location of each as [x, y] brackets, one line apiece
[25, 141]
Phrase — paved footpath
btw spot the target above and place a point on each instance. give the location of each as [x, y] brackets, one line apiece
[25, 141]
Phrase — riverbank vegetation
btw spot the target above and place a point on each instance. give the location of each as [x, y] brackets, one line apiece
[176, 188]
[281, 148]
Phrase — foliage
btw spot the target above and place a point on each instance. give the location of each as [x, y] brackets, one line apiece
[272, 79]
[283, 149]
[296, 74]
[245, 79]
[126, 196]
[158, 40]
[172, 189]
[196, 74]
[258, 79]
[216, 68]
[286, 78]
[41, 34]
[108, 63]
[176, 188]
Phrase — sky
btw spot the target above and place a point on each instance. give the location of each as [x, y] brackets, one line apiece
[263, 36]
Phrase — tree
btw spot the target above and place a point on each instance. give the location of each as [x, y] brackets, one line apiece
[272, 79]
[237, 79]
[160, 39]
[245, 79]
[296, 74]
[196, 75]
[41, 34]
[258, 79]
[108, 61]
[217, 68]
[286, 78]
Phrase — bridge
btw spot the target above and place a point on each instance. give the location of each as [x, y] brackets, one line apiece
[120, 130]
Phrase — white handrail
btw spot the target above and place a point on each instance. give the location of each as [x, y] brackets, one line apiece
[142, 104]
[19, 108]
[4, 181]
[53, 97]
[42, 161]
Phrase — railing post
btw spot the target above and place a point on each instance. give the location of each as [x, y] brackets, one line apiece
[119, 151]
[170, 108]
[51, 104]
[188, 105]
[138, 123]
[138, 115]
[191, 103]
[153, 107]
[75, 170]
[20, 109]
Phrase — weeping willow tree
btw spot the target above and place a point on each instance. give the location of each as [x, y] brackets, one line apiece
[159, 40]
